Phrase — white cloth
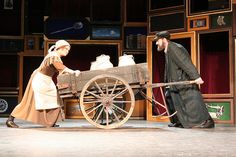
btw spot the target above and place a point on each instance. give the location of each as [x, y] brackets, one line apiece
[45, 92]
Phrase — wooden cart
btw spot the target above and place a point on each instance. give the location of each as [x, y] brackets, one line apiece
[106, 97]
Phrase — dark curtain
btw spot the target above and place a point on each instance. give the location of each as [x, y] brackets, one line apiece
[214, 63]
[158, 61]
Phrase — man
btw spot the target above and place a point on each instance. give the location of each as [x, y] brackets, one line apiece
[185, 99]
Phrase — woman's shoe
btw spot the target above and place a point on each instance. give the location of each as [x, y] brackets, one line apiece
[55, 125]
[11, 124]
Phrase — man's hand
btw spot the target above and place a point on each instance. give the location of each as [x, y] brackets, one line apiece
[198, 81]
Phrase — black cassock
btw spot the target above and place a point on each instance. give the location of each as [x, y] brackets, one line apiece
[185, 99]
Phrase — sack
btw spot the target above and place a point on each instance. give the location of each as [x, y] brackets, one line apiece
[102, 62]
[126, 60]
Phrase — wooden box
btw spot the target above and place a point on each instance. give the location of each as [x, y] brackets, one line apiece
[72, 109]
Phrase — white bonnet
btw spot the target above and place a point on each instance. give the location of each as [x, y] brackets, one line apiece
[58, 44]
[61, 43]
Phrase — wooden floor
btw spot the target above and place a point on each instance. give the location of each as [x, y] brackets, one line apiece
[137, 138]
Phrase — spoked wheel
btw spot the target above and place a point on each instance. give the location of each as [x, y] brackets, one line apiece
[107, 101]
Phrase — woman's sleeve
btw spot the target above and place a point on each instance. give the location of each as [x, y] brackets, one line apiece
[59, 66]
[56, 62]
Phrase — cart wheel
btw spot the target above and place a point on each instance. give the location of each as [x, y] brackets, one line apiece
[107, 101]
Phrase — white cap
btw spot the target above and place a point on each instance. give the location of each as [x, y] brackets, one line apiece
[61, 43]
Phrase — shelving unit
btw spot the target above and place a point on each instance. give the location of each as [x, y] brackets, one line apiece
[210, 48]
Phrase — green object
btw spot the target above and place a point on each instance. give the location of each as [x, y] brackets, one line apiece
[219, 110]
[221, 20]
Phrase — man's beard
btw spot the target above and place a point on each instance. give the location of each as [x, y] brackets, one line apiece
[160, 48]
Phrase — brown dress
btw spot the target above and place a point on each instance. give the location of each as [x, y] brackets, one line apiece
[26, 110]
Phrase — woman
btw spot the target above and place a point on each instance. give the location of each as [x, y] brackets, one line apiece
[41, 103]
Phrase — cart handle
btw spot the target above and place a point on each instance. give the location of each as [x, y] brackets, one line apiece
[155, 85]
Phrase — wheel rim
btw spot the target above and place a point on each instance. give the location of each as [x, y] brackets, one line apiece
[107, 101]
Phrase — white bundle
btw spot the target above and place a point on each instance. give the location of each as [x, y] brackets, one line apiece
[102, 62]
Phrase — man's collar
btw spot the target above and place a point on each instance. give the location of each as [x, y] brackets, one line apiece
[165, 50]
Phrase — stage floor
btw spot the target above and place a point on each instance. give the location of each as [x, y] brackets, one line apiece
[136, 138]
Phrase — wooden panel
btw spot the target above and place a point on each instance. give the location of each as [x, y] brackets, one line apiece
[7, 104]
[11, 17]
[139, 109]
[221, 20]
[173, 22]
[221, 110]
[216, 63]
[28, 62]
[72, 109]
[198, 23]
[155, 5]
[234, 19]
[206, 7]
[135, 11]
[8, 68]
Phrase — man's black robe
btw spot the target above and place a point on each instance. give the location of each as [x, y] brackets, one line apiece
[185, 99]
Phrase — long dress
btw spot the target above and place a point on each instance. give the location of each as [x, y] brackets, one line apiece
[40, 103]
[187, 99]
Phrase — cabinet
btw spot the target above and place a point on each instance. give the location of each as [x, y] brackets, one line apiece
[195, 7]
[11, 13]
[135, 29]
[215, 63]
[161, 5]
[28, 62]
[156, 62]
[107, 29]
[35, 10]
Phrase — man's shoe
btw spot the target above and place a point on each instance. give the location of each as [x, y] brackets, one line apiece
[206, 124]
[11, 124]
[178, 125]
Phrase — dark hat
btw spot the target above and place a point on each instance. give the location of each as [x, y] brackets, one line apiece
[162, 34]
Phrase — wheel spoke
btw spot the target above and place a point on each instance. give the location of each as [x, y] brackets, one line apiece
[99, 114]
[113, 89]
[107, 117]
[115, 101]
[120, 108]
[122, 92]
[94, 108]
[106, 81]
[98, 87]
[95, 95]
[91, 102]
[117, 119]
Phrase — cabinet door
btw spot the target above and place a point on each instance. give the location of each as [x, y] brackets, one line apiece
[11, 13]
[8, 68]
[214, 48]
[156, 62]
